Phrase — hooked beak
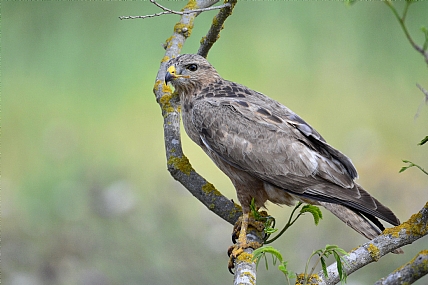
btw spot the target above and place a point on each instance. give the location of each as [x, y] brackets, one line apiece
[170, 74]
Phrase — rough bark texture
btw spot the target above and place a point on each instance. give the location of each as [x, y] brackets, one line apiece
[245, 268]
[409, 272]
[406, 233]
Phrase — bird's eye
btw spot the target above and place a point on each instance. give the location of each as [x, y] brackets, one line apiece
[192, 67]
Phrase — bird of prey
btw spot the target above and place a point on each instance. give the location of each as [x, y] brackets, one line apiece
[268, 152]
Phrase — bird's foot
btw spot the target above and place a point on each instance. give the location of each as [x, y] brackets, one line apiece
[236, 251]
[252, 222]
[240, 229]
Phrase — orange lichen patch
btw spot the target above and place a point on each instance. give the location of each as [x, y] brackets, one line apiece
[181, 163]
[414, 226]
[374, 252]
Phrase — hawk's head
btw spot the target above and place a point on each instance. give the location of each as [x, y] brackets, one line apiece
[189, 72]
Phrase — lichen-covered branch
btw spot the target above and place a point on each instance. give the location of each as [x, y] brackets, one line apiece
[409, 272]
[245, 267]
[178, 164]
[214, 32]
[391, 239]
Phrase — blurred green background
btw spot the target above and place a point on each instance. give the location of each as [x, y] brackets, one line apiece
[86, 196]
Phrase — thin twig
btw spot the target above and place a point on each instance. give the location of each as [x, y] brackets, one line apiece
[424, 101]
[404, 28]
[423, 91]
[169, 11]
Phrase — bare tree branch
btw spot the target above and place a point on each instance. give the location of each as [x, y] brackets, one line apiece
[169, 11]
[406, 233]
[214, 33]
[409, 272]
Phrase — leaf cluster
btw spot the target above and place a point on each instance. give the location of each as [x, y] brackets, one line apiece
[411, 164]
[323, 254]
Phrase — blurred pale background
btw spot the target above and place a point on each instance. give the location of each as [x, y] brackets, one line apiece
[86, 196]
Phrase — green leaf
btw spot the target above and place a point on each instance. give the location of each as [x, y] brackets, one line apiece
[339, 261]
[267, 249]
[342, 251]
[324, 267]
[411, 164]
[283, 268]
[270, 230]
[330, 247]
[423, 141]
[314, 210]
[254, 211]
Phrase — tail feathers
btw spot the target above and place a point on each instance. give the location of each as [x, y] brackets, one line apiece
[352, 219]
[357, 222]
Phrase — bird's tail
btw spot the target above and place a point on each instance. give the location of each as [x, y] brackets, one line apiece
[357, 221]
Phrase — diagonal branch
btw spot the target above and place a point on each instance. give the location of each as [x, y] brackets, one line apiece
[409, 272]
[178, 164]
[214, 33]
[406, 233]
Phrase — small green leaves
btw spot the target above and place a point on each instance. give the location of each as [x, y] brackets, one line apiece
[314, 210]
[269, 221]
[411, 164]
[261, 252]
[325, 253]
[288, 274]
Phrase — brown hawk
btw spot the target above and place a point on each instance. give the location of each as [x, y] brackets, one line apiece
[267, 151]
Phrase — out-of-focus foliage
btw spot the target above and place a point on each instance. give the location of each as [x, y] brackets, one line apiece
[86, 197]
